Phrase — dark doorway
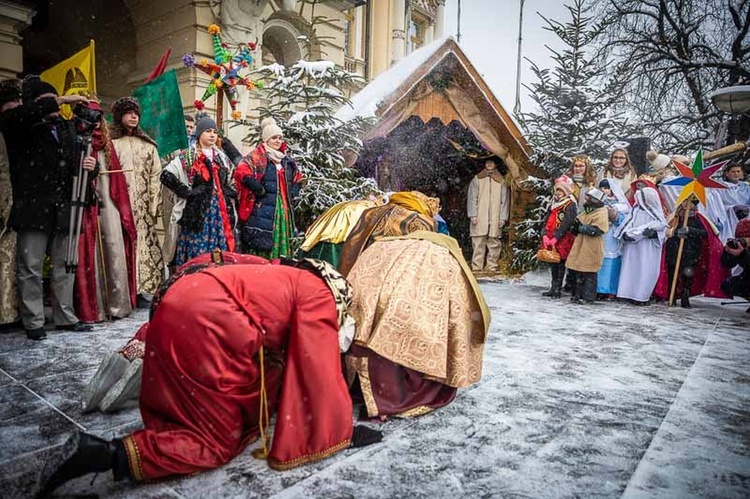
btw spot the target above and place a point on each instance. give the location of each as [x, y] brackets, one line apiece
[430, 158]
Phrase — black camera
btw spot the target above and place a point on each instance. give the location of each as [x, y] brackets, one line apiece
[735, 244]
[86, 119]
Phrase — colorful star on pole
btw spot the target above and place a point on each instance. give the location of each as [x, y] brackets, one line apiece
[224, 71]
[696, 179]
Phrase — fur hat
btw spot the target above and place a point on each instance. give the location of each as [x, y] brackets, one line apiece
[10, 90]
[269, 129]
[33, 87]
[205, 123]
[658, 161]
[124, 105]
[743, 228]
[595, 194]
[565, 184]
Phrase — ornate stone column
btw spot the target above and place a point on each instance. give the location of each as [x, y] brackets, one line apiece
[13, 18]
[398, 31]
[439, 31]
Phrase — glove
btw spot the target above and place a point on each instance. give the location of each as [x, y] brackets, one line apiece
[199, 190]
[626, 237]
[254, 186]
[545, 242]
[574, 229]
[650, 233]
[552, 242]
[682, 232]
[587, 230]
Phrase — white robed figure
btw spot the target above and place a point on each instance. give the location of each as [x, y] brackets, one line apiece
[608, 276]
[735, 197]
[641, 254]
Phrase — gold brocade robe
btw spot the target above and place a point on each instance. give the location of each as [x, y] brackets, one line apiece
[8, 298]
[140, 160]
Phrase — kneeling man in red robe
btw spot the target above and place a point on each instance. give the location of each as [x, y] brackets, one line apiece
[226, 344]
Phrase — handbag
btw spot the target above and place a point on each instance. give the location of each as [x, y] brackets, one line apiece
[548, 255]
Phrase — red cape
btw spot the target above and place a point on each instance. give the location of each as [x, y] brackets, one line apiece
[85, 281]
[709, 273]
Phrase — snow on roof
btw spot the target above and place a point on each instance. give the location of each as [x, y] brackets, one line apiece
[366, 102]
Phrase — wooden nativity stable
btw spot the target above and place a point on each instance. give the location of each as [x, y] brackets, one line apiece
[437, 121]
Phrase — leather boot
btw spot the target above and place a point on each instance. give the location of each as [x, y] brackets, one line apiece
[687, 283]
[554, 270]
[82, 454]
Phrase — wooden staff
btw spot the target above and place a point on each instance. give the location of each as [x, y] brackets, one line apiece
[725, 151]
[679, 252]
[107, 172]
[219, 107]
[104, 269]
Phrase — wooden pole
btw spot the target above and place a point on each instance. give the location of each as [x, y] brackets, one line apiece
[679, 253]
[219, 107]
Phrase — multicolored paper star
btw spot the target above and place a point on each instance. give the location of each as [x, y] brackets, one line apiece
[224, 71]
[696, 179]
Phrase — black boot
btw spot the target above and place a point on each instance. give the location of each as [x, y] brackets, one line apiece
[84, 454]
[554, 270]
[687, 283]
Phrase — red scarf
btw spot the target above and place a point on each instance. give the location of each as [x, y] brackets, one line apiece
[199, 168]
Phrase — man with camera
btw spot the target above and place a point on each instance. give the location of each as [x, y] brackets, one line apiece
[43, 161]
[736, 253]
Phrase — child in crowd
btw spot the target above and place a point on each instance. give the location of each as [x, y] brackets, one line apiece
[617, 207]
[556, 233]
[587, 252]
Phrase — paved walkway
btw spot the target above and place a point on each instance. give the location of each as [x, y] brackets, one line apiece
[607, 400]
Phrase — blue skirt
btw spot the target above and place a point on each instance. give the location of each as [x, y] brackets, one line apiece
[192, 244]
[609, 276]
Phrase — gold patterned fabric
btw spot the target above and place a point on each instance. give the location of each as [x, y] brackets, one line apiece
[416, 201]
[336, 223]
[8, 292]
[140, 161]
[382, 221]
[415, 306]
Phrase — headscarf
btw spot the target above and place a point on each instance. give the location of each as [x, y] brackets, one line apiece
[647, 213]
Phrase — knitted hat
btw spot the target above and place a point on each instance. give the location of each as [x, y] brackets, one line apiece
[269, 129]
[658, 161]
[595, 194]
[743, 228]
[33, 87]
[565, 184]
[124, 105]
[204, 124]
[10, 90]
[604, 184]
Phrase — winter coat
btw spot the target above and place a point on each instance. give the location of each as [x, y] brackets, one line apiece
[42, 167]
[489, 201]
[256, 181]
[558, 225]
[587, 252]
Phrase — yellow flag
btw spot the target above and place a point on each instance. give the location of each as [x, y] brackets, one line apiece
[75, 75]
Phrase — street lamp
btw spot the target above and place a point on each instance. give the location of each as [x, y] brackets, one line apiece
[732, 100]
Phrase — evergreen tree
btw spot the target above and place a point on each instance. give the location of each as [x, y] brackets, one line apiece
[578, 98]
[303, 100]
[577, 113]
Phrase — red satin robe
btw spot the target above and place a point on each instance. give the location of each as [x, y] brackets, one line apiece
[200, 391]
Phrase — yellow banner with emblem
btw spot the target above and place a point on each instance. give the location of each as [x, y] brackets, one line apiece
[74, 76]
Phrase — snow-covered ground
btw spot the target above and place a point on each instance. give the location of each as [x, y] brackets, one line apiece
[575, 401]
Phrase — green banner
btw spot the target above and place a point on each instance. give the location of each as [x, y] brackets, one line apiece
[161, 112]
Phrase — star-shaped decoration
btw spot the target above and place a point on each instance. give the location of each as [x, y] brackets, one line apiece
[696, 179]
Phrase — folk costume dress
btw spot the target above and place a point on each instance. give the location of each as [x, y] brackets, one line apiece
[421, 324]
[210, 358]
[268, 182]
[8, 291]
[641, 257]
[207, 219]
[106, 281]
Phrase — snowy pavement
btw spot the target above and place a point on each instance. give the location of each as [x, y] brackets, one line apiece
[607, 400]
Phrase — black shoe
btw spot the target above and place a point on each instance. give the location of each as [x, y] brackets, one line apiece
[83, 454]
[576, 300]
[555, 294]
[78, 327]
[142, 301]
[363, 436]
[36, 334]
[685, 301]
[549, 293]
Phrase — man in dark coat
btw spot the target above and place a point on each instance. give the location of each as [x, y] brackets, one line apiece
[43, 160]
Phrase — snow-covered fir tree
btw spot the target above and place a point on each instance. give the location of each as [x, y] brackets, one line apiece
[578, 99]
[303, 99]
[577, 112]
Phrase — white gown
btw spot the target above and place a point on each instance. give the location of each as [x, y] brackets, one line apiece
[641, 258]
